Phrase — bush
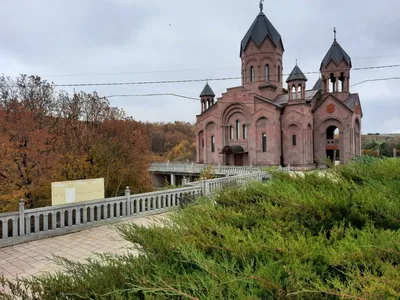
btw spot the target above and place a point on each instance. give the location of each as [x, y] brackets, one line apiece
[327, 235]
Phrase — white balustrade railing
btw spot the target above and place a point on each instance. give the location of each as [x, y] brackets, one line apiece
[31, 224]
[196, 168]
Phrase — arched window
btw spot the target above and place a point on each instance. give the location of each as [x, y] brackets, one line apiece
[332, 85]
[251, 74]
[245, 132]
[341, 82]
[294, 94]
[267, 72]
[231, 132]
[300, 91]
[279, 73]
[237, 129]
[294, 140]
[264, 142]
[212, 144]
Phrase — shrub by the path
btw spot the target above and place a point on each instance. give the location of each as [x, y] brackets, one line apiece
[318, 237]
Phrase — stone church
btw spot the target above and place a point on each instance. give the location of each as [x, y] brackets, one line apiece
[266, 122]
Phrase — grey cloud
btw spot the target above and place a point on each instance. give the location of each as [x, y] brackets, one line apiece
[51, 37]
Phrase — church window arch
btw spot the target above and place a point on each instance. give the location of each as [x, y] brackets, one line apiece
[267, 72]
[252, 74]
[264, 142]
[341, 82]
[237, 129]
[294, 92]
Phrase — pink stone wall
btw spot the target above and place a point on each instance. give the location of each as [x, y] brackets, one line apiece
[297, 120]
[342, 118]
[307, 121]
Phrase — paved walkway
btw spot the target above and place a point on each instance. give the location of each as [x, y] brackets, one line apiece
[35, 257]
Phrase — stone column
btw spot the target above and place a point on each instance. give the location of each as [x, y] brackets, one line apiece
[22, 217]
[128, 201]
[198, 147]
[184, 181]
[172, 179]
[206, 141]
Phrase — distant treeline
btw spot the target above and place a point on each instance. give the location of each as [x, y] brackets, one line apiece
[48, 135]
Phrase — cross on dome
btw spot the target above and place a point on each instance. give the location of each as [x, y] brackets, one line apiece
[261, 5]
[334, 33]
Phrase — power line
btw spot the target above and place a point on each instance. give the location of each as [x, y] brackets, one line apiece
[181, 70]
[201, 80]
[141, 72]
[197, 99]
[376, 79]
[151, 95]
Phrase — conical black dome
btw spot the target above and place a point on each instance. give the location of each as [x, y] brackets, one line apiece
[296, 74]
[336, 54]
[259, 31]
[207, 91]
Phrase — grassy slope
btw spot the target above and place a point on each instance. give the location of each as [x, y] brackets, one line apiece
[293, 238]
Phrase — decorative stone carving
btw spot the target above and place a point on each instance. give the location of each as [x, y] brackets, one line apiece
[330, 108]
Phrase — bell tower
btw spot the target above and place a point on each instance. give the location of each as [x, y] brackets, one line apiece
[297, 84]
[261, 52]
[207, 98]
[335, 71]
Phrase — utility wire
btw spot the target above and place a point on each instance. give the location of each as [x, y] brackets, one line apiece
[181, 70]
[201, 80]
[376, 79]
[151, 95]
[197, 99]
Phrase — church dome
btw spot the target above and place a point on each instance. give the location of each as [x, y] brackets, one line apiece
[207, 91]
[336, 54]
[296, 74]
[259, 31]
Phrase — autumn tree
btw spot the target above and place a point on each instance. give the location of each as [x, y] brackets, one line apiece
[182, 152]
[164, 137]
[48, 136]
[27, 139]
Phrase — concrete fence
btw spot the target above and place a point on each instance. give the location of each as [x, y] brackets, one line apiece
[32, 224]
[197, 168]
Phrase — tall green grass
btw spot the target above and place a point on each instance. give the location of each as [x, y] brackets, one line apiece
[332, 235]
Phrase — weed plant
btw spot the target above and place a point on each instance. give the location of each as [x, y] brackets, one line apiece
[330, 235]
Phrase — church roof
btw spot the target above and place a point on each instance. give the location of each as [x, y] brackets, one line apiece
[352, 100]
[207, 91]
[259, 31]
[336, 54]
[284, 98]
[318, 85]
[296, 74]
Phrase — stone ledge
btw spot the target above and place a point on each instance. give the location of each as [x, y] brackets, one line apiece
[77, 228]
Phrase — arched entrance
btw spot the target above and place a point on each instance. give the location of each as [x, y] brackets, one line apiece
[233, 155]
[333, 143]
[357, 138]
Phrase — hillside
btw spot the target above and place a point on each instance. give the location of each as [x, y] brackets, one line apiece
[317, 237]
[48, 135]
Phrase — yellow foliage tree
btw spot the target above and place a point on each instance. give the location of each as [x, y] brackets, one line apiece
[183, 151]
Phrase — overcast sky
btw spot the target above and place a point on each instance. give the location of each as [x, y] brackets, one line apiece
[101, 41]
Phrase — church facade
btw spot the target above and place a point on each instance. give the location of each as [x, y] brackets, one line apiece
[266, 122]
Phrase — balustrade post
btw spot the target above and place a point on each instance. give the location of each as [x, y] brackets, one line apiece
[21, 217]
[128, 201]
